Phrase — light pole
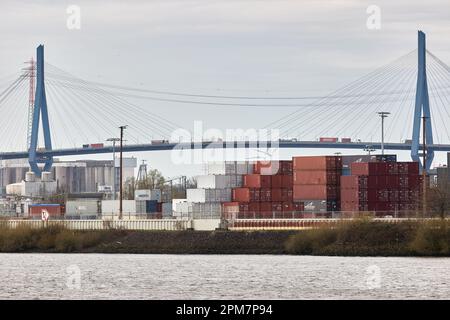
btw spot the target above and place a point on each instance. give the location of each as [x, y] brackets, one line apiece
[114, 140]
[122, 128]
[369, 149]
[383, 114]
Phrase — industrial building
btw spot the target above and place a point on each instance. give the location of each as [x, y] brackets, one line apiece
[75, 176]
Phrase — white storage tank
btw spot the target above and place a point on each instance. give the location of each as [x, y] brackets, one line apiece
[30, 176]
[46, 176]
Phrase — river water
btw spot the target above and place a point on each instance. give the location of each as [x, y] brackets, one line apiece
[130, 276]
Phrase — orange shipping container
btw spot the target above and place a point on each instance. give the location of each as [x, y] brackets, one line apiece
[316, 177]
[315, 192]
[317, 163]
[256, 181]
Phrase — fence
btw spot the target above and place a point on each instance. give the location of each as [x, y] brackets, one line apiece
[155, 224]
[295, 224]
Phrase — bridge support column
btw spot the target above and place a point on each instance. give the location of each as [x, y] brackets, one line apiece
[40, 107]
[422, 108]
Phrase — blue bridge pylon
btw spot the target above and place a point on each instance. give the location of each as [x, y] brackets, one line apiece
[422, 108]
[40, 107]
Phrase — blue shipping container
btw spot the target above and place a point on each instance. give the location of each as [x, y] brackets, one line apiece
[151, 206]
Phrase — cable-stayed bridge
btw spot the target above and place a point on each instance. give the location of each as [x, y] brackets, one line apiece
[65, 112]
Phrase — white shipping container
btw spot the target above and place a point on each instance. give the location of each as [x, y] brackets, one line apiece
[112, 206]
[147, 194]
[208, 195]
[229, 167]
[141, 206]
[82, 207]
[219, 181]
[167, 209]
[206, 210]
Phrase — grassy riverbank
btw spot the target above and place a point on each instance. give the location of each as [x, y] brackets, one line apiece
[57, 239]
[369, 238]
[359, 238]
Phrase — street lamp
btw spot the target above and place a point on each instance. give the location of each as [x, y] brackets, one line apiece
[369, 149]
[114, 140]
[122, 128]
[383, 114]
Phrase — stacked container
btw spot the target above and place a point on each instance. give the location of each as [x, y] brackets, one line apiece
[266, 193]
[381, 187]
[316, 181]
[213, 189]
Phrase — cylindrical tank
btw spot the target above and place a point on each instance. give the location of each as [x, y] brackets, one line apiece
[30, 176]
[46, 176]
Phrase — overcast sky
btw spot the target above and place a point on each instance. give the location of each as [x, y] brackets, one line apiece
[267, 47]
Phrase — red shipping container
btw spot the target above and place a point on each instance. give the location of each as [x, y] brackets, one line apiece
[265, 208]
[277, 207]
[54, 210]
[316, 177]
[245, 194]
[315, 192]
[353, 195]
[408, 167]
[256, 181]
[393, 195]
[293, 206]
[277, 195]
[243, 207]
[253, 207]
[287, 181]
[409, 181]
[265, 194]
[286, 194]
[277, 181]
[391, 168]
[392, 181]
[317, 163]
[275, 167]
[230, 207]
[368, 168]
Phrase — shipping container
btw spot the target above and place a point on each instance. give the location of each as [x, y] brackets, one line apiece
[317, 163]
[208, 195]
[282, 194]
[206, 210]
[327, 139]
[408, 167]
[316, 177]
[257, 181]
[315, 192]
[346, 140]
[245, 194]
[320, 205]
[219, 181]
[112, 206]
[167, 209]
[78, 207]
[274, 167]
[54, 210]
[277, 181]
[229, 167]
[368, 168]
[147, 194]
[96, 145]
